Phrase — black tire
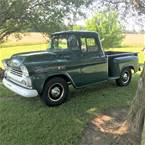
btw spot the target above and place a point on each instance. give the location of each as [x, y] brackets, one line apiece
[55, 92]
[125, 77]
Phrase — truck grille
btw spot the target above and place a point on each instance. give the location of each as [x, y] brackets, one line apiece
[16, 72]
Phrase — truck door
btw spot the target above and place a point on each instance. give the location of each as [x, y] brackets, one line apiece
[94, 62]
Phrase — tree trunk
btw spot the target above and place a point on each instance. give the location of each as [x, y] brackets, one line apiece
[135, 120]
[143, 137]
[136, 115]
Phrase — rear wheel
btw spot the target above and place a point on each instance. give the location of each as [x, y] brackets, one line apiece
[55, 92]
[125, 77]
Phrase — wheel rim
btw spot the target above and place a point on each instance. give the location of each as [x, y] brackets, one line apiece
[56, 92]
[125, 77]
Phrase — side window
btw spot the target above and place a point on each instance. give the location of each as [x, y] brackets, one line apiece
[89, 45]
[73, 42]
[62, 43]
[83, 45]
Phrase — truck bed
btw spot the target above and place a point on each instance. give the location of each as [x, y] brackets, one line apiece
[119, 53]
[120, 57]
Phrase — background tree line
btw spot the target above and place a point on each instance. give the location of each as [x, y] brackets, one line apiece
[108, 27]
[48, 16]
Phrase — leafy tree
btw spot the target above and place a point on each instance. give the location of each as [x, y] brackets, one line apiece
[108, 26]
[76, 27]
[42, 15]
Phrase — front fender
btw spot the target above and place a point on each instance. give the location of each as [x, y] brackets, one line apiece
[38, 82]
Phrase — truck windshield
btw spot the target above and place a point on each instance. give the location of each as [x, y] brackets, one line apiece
[59, 43]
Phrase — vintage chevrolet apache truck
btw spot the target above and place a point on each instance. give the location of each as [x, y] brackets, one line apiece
[74, 57]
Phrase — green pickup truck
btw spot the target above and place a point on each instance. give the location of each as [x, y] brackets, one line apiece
[74, 58]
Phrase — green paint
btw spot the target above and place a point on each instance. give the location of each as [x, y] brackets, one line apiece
[81, 65]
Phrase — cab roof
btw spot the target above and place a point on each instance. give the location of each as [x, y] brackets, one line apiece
[82, 32]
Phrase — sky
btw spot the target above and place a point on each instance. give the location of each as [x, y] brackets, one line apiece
[128, 17]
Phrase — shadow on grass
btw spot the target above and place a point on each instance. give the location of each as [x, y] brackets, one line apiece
[35, 123]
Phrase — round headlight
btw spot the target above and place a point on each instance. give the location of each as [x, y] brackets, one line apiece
[23, 82]
[24, 70]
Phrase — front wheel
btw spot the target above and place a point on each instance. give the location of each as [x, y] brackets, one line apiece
[125, 77]
[55, 92]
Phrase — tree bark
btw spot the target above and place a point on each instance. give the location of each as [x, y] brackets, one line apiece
[134, 124]
[143, 137]
[136, 115]
[139, 5]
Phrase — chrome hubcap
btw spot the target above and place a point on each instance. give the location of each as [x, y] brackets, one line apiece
[125, 77]
[55, 92]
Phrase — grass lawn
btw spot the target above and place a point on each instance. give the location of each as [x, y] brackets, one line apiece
[29, 122]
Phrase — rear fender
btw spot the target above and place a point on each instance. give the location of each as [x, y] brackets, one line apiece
[122, 63]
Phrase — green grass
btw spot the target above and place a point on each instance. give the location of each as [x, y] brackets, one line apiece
[12, 44]
[29, 122]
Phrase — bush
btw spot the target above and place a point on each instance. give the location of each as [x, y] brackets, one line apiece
[108, 27]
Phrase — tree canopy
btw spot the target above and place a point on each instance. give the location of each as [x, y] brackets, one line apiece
[108, 26]
[41, 15]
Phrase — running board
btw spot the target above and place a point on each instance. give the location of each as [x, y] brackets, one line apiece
[113, 78]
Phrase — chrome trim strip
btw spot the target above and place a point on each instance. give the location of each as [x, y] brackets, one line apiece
[20, 90]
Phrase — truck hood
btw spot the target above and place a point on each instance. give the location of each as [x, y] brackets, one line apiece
[26, 58]
[36, 56]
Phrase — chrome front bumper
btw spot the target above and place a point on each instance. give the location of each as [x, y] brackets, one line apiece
[20, 90]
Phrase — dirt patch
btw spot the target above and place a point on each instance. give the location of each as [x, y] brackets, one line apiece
[98, 131]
